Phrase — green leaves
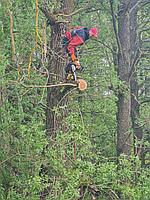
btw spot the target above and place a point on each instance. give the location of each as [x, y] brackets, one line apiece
[84, 149]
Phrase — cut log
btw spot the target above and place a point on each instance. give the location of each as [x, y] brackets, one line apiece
[82, 84]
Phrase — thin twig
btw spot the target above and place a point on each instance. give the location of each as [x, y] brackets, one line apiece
[71, 14]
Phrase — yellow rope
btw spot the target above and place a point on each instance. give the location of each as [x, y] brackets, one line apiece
[36, 39]
[19, 72]
[30, 62]
[44, 42]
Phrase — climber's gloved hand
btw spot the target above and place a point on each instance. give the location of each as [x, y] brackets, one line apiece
[75, 61]
[77, 64]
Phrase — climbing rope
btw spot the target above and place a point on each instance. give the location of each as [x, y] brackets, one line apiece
[36, 39]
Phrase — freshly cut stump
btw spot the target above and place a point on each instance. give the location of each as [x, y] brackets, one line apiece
[82, 84]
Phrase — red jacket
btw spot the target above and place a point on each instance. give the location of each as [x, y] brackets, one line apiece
[75, 38]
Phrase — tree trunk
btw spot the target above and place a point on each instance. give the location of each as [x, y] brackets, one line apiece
[56, 70]
[124, 99]
[127, 59]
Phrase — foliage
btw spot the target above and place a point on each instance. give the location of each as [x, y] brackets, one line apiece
[30, 161]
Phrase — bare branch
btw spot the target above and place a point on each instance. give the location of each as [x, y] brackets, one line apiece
[114, 25]
[71, 14]
[146, 101]
[142, 2]
[49, 86]
[136, 59]
[105, 45]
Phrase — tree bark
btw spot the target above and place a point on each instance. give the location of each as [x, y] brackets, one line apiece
[127, 59]
[56, 69]
[124, 99]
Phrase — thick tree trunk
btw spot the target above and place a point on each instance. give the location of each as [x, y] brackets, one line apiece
[127, 60]
[56, 69]
[124, 99]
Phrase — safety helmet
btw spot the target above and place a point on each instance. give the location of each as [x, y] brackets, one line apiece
[93, 32]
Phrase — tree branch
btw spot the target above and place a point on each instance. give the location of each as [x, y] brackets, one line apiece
[106, 45]
[114, 24]
[49, 86]
[71, 14]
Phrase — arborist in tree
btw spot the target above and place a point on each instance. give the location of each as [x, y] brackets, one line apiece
[74, 38]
